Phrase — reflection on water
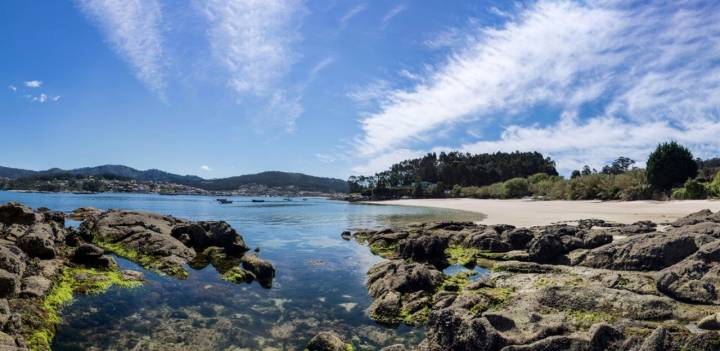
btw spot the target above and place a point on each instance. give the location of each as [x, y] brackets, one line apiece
[320, 283]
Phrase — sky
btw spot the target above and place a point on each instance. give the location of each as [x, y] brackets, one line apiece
[226, 87]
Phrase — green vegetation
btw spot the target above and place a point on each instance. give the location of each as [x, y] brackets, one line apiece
[669, 165]
[461, 255]
[432, 174]
[146, 261]
[585, 319]
[456, 282]
[73, 280]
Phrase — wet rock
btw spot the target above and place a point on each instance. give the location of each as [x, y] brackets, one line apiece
[326, 341]
[546, 248]
[92, 256]
[518, 239]
[84, 213]
[38, 242]
[202, 235]
[262, 269]
[396, 347]
[346, 235]
[16, 213]
[424, 248]
[554, 343]
[35, 286]
[488, 240]
[9, 283]
[646, 252]
[454, 329]
[711, 322]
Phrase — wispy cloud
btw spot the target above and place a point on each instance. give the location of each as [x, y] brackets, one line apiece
[205, 168]
[356, 10]
[32, 84]
[12, 88]
[253, 40]
[649, 73]
[134, 30]
[324, 63]
[392, 13]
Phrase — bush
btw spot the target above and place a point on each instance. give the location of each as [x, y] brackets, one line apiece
[670, 164]
[537, 178]
[692, 190]
[714, 186]
[492, 191]
[516, 188]
[633, 185]
[586, 187]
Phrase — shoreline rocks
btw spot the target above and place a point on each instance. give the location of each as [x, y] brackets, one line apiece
[586, 286]
[43, 264]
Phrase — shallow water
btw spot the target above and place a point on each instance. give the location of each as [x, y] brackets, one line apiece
[320, 282]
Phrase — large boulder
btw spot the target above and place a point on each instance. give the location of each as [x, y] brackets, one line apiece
[424, 248]
[92, 256]
[546, 248]
[9, 284]
[262, 269]
[39, 241]
[327, 341]
[648, 252]
[202, 235]
[696, 279]
[457, 329]
[16, 213]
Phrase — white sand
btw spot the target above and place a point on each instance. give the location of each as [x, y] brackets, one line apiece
[529, 212]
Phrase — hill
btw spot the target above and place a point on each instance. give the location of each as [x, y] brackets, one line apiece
[299, 181]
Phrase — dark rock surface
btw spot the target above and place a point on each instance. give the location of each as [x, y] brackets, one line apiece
[591, 286]
[326, 341]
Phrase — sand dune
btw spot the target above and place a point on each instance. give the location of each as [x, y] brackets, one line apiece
[531, 212]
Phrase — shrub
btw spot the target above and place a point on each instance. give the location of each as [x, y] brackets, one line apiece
[586, 187]
[670, 164]
[516, 188]
[538, 177]
[633, 185]
[492, 191]
[714, 186]
[692, 190]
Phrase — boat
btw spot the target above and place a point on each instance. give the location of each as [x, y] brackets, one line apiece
[224, 201]
[257, 200]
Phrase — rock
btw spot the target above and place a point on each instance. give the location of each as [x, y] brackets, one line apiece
[7, 343]
[202, 235]
[646, 252]
[132, 275]
[16, 213]
[518, 239]
[35, 286]
[596, 238]
[4, 313]
[711, 322]
[346, 235]
[640, 227]
[84, 213]
[396, 347]
[386, 308]
[326, 341]
[696, 279]
[605, 337]
[555, 343]
[263, 270]
[12, 259]
[488, 240]
[546, 248]
[693, 218]
[38, 242]
[402, 277]
[9, 284]
[424, 248]
[454, 329]
[92, 256]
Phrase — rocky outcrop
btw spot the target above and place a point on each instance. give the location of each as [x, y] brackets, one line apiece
[590, 286]
[166, 244]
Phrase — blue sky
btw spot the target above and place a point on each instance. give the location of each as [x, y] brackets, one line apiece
[226, 87]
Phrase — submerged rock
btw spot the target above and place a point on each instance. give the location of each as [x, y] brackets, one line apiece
[327, 341]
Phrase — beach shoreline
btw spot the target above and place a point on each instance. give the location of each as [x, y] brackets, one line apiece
[525, 212]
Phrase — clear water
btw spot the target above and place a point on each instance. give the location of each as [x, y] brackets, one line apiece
[320, 282]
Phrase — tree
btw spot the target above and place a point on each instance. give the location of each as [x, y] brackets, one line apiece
[619, 166]
[575, 174]
[669, 165]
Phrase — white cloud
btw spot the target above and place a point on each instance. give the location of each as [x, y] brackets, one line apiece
[370, 92]
[352, 13]
[56, 98]
[392, 13]
[652, 72]
[324, 63]
[12, 88]
[134, 30]
[253, 40]
[205, 168]
[32, 84]
[381, 162]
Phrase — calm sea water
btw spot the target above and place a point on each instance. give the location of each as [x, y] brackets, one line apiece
[320, 282]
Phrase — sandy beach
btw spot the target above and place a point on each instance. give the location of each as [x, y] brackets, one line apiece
[530, 212]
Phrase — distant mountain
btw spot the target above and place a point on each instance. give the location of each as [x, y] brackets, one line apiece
[271, 179]
[278, 179]
[12, 173]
